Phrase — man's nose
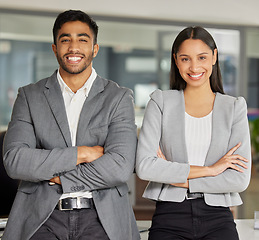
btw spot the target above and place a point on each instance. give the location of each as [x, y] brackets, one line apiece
[73, 46]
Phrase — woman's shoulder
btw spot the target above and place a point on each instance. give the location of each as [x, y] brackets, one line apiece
[227, 99]
[158, 94]
[167, 98]
[229, 103]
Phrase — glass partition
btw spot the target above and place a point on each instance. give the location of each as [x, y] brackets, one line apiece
[135, 54]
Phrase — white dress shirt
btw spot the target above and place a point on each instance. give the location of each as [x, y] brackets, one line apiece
[73, 104]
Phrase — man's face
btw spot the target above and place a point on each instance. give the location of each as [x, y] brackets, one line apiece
[75, 48]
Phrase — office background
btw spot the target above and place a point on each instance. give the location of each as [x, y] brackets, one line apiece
[135, 39]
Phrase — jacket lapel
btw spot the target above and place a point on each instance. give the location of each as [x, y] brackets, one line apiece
[56, 102]
[220, 118]
[175, 123]
[180, 143]
[89, 106]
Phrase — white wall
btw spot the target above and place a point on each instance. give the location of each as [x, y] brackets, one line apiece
[234, 12]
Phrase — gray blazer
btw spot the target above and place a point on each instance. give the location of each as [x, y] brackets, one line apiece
[38, 147]
[163, 126]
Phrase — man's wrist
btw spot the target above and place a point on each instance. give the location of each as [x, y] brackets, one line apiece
[81, 155]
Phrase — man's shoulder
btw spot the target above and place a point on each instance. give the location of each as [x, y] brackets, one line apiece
[112, 86]
[39, 84]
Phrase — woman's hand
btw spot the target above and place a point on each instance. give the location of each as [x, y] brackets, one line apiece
[230, 160]
[160, 154]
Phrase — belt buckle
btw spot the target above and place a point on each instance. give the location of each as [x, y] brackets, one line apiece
[78, 203]
[189, 198]
[61, 208]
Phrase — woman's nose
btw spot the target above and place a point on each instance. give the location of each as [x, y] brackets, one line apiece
[194, 66]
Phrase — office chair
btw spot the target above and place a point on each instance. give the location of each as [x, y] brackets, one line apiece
[8, 186]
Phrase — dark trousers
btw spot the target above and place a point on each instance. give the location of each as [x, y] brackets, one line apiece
[192, 219]
[82, 224]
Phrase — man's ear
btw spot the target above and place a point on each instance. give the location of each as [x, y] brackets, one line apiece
[54, 49]
[96, 50]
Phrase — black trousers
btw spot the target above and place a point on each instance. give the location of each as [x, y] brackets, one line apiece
[82, 224]
[192, 219]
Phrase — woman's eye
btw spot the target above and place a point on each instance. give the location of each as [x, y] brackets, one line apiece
[185, 59]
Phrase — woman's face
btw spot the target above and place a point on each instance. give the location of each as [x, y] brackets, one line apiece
[195, 61]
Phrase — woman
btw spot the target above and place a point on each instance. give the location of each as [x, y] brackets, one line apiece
[194, 146]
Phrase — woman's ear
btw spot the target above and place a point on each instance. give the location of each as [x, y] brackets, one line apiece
[215, 53]
[175, 59]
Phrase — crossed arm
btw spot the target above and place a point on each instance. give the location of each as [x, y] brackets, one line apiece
[85, 154]
[226, 173]
[230, 160]
[92, 167]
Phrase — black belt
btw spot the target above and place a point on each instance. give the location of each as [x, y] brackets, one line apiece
[75, 203]
[190, 196]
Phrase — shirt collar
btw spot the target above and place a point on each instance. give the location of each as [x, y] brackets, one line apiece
[86, 87]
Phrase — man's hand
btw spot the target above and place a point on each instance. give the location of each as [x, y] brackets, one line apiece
[88, 154]
[55, 180]
[84, 154]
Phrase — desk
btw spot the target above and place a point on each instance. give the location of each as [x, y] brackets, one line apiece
[2, 225]
[245, 228]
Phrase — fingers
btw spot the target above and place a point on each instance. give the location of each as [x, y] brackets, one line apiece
[238, 157]
[237, 161]
[235, 167]
[232, 150]
[160, 154]
[98, 148]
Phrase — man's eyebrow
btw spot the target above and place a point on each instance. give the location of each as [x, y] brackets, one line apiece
[69, 35]
[64, 35]
[83, 35]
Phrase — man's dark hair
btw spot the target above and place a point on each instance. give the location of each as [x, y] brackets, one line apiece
[74, 15]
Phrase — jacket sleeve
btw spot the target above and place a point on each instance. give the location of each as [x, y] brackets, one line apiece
[22, 159]
[117, 164]
[231, 180]
[148, 165]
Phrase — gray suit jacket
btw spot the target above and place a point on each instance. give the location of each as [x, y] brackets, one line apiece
[38, 147]
[164, 126]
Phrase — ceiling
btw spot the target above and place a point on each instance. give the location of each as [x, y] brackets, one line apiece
[228, 12]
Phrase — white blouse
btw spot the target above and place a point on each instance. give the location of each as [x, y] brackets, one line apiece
[198, 138]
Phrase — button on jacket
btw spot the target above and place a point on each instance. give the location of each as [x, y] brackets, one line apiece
[38, 147]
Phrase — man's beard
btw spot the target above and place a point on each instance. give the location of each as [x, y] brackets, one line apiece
[79, 70]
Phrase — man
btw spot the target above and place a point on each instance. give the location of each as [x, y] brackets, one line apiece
[71, 141]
